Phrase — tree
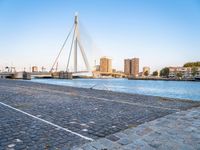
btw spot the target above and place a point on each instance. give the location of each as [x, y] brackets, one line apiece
[194, 71]
[192, 64]
[146, 73]
[164, 72]
[155, 73]
[179, 75]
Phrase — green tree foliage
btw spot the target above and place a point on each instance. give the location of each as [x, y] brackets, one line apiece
[155, 73]
[164, 72]
[146, 73]
[194, 71]
[192, 64]
[179, 75]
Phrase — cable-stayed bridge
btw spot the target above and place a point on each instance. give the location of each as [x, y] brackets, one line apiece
[75, 45]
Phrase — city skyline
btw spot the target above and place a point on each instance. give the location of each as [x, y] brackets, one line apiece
[159, 33]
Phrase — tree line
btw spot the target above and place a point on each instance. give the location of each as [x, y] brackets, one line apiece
[192, 64]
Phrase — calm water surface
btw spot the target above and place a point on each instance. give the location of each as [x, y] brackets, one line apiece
[172, 89]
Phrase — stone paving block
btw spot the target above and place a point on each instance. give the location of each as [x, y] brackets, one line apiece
[77, 148]
[113, 138]
[124, 141]
[88, 147]
[144, 131]
[139, 144]
[109, 144]
[97, 145]
[120, 135]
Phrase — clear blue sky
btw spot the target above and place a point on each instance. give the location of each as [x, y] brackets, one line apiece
[160, 32]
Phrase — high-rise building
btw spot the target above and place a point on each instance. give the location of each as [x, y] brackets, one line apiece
[131, 67]
[127, 66]
[135, 67]
[105, 64]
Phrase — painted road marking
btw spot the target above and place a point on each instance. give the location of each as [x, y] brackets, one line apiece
[50, 123]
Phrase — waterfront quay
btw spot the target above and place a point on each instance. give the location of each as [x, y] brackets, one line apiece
[44, 116]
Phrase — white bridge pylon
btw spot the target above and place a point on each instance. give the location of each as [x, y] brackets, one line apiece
[76, 42]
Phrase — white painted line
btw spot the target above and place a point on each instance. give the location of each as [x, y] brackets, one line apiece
[50, 123]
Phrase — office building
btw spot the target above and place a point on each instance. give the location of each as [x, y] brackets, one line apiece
[131, 67]
[105, 64]
[135, 67]
[127, 66]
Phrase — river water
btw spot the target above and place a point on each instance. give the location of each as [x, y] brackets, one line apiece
[172, 89]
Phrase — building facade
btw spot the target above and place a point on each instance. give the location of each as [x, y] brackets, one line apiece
[105, 64]
[127, 66]
[131, 67]
[135, 67]
[183, 72]
[34, 69]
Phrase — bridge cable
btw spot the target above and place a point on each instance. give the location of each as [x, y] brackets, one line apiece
[67, 69]
[61, 49]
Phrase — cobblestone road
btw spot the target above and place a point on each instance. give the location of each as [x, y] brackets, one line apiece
[179, 131]
[90, 113]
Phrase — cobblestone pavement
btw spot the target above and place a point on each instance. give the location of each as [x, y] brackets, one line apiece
[19, 131]
[34, 109]
[179, 131]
